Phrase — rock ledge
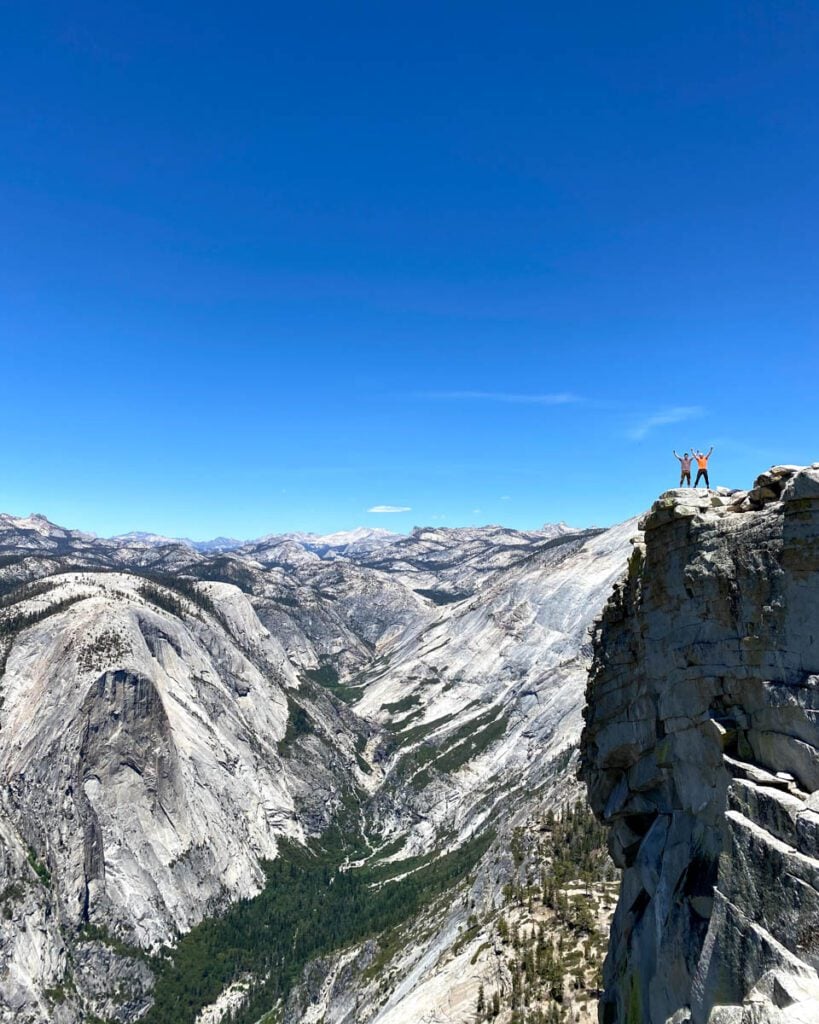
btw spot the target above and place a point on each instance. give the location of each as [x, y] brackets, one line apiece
[700, 754]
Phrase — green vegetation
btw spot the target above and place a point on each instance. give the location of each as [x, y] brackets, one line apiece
[14, 622]
[420, 732]
[383, 871]
[472, 745]
[465, 744]
[398, 707]
[62, 990]
[8, 897]
[170, 593]
[549, 929]
[396, 727]
[309, 907]
[474, 725]
[57, 994]
[473, 927]
[441, 596]
[577, 846]
[299, 723]
[224, 569]
[106, 647]
[40, 869]
[13, 593]
[327, 676]
[390, 848]
[99, 933]
[412, 763]
[11, 892]
[324, 675]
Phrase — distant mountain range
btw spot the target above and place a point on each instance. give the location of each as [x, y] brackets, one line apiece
[360, 539]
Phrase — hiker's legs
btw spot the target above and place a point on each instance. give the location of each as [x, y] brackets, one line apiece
[687, 478]
[700, 474]
[705, 474]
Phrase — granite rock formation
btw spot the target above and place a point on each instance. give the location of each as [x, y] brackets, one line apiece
[700, 755]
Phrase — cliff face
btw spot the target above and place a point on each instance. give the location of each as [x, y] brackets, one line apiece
[700, 754]
[145, 779]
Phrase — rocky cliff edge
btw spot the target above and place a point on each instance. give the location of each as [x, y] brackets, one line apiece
[700, 755]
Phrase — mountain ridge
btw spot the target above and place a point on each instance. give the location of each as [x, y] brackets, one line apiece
[369, 536]
[418, 709]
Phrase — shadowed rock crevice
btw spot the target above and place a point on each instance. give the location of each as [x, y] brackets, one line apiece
[700, 754]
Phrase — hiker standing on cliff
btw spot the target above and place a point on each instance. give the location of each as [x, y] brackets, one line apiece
[702, 466]
[685, 468]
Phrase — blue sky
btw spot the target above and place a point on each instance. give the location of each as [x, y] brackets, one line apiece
[268, 266]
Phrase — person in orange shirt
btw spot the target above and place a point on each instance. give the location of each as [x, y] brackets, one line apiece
[702, 466]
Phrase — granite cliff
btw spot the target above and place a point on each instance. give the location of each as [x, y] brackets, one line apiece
[700, 756]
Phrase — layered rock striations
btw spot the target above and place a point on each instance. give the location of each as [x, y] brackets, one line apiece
[700, 754]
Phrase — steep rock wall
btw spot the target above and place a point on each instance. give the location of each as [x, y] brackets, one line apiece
[700, 754]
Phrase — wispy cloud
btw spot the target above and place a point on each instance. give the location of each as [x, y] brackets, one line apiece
[390, 508]
[677, 414]
[510, 397]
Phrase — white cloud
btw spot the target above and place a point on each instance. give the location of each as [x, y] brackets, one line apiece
[390, 508]
[506, 497]
[677, 414]
[512, 397]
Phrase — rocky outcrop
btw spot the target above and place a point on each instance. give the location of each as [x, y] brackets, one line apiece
[700, 754]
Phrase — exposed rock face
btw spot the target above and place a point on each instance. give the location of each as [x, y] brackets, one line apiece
[145, 779]
[151, 808]
[168, 715]
[700, 753]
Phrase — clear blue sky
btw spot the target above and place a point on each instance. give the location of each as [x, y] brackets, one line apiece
[266, 266]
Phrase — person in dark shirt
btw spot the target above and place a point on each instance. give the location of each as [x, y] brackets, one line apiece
[685, 468]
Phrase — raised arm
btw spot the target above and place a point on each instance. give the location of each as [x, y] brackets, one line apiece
[676, 456]
[711, 451]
